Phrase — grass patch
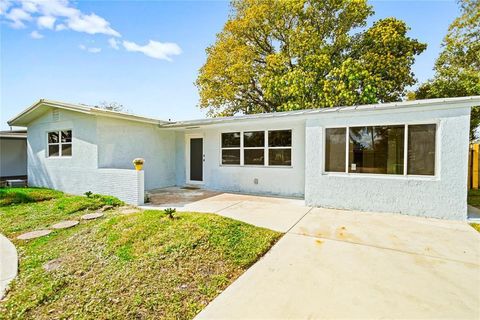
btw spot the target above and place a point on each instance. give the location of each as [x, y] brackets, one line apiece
[10, 196]
[51, 207]
[143, 265]
[474, 198]
[475, 226]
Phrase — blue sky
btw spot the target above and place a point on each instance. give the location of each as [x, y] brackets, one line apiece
[160, 47]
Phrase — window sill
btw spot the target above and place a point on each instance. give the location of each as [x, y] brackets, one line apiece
[59, 157]
[381, 176]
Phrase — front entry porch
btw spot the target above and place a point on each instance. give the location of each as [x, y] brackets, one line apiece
[275, 213]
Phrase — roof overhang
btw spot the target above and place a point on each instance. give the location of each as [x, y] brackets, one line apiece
[40, 107]
[421, 105]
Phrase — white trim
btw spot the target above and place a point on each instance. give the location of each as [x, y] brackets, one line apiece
[265, 148]
[60, 144]
[188, 137]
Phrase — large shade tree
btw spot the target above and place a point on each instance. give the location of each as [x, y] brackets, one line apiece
[457, 69]
[275, 55]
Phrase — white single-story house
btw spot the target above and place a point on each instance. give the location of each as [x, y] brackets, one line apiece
[13, 154]
[406, 157]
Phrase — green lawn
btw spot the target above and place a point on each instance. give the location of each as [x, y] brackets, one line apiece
[142, 265]
[474, 198]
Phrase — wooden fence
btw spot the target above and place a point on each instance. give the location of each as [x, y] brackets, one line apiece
[473, 164]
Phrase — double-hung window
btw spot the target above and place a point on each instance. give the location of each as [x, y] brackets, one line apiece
[59, 143]
[254, 148]
[249, 148]
[280, 148]
[392, 149]
[231, 148]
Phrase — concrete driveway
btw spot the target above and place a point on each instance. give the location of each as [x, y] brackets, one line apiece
[346, 264]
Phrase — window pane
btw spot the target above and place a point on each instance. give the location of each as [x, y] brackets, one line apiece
[231, 156]
[421, 149]
[335, 153]
[67, 136]
[53, 150]
[53, 137]
[254, 156]
[231, 140]
[376, 149]
[67, 149]
[280, 138]
[280, 157]
[254, 139]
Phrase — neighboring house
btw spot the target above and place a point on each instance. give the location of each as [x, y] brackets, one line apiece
[13, 154]
[407, 157]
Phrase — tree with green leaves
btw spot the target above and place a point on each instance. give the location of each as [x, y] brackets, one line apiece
[275, 55]
[457, 69]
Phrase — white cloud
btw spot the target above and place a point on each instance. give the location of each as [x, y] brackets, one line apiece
[36, 35]
[91, 24]
[17, 17]
[113, 43]
[91, 49]
[60, 27]
[29, 6]
[155, 49]
[49, 11]
[4, 5]
[46, 22]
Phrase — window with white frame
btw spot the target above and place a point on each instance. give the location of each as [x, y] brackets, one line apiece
[59, 143]
[254, 148]
[393, 149]
[280, 148]
[231, 148]
[248, 148]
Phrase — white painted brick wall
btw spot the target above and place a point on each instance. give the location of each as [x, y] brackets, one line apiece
[127, 185]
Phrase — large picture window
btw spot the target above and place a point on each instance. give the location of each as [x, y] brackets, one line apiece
[381, 149]
[231, 148]
[255, 147]
[376, 149]
[59, 143]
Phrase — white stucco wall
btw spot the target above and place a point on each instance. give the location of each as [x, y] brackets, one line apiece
[287, 181]
[121, 141]
[441, 196]
[79, 173]
[13, 157]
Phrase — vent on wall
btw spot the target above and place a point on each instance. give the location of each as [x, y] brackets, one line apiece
[55, 114]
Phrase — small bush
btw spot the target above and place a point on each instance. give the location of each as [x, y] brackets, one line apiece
[108, 200]
[88, 194]
[169, 212]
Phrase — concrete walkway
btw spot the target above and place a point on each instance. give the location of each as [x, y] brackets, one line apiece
[8, 263]
[346, 264]
[278, 214]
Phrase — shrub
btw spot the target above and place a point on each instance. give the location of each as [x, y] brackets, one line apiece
[169, 212]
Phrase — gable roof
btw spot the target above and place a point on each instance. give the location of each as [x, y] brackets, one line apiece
[42, 105]
[38, 108]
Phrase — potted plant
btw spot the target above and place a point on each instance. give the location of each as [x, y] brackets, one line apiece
[138, 163]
